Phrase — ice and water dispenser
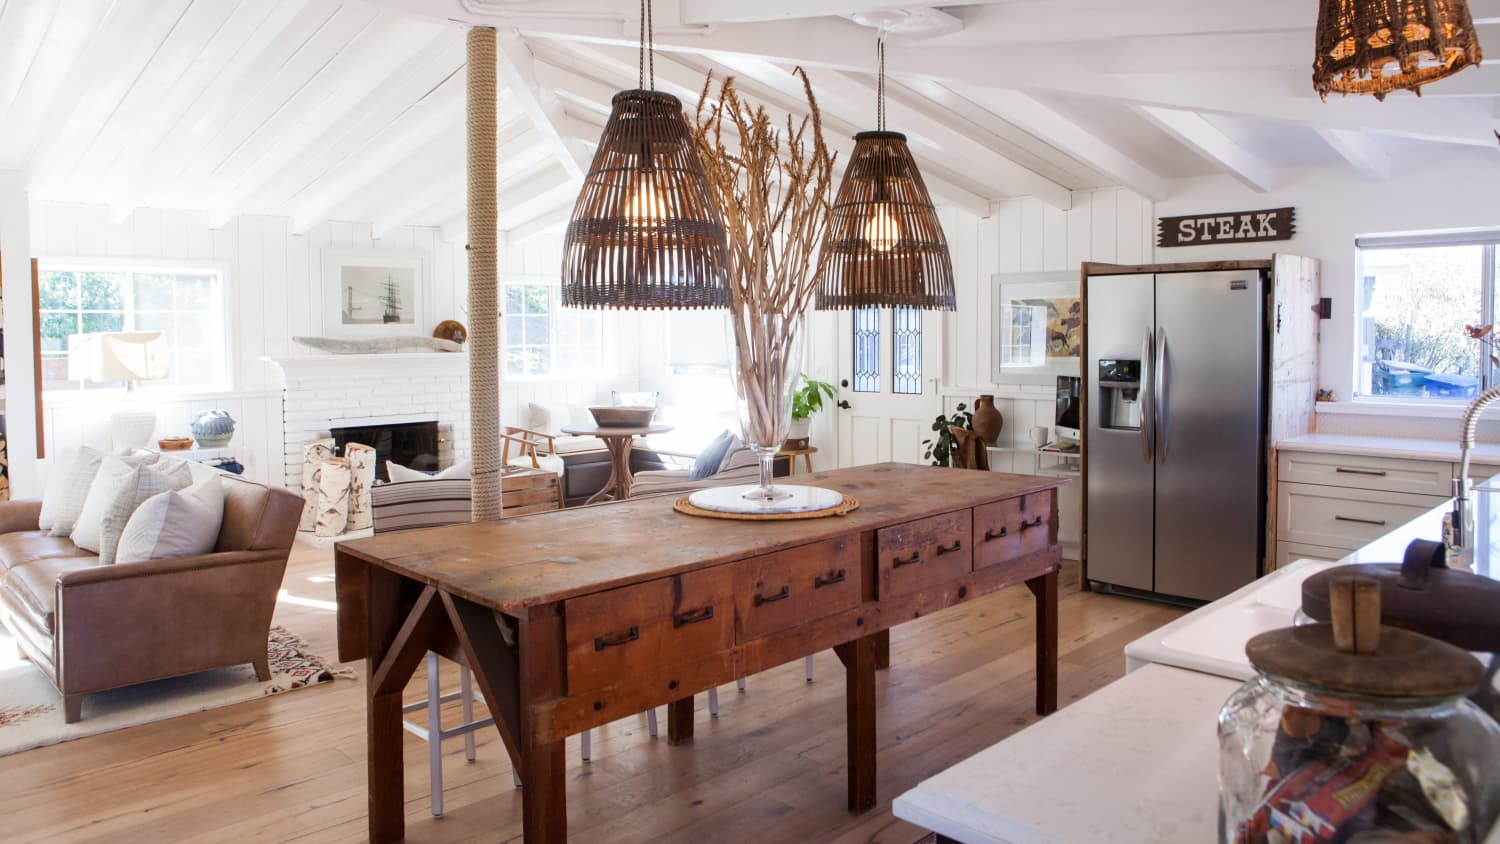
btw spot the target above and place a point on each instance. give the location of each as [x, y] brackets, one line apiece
[1120, 394]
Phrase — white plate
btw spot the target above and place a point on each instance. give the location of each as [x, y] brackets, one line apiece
[731, 499]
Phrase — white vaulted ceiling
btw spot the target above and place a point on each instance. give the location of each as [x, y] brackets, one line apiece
[315, 109]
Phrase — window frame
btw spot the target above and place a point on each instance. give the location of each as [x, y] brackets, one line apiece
[225, 294]
[1489, 277]
[554, 307]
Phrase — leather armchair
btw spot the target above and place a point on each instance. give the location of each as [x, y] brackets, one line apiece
[93, 627]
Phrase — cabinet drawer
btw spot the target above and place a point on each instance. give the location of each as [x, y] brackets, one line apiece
[784, 589]
[925, 552]
[1290, 552]
[1007, 529]
[626, 631]
[1419, 477]
[1343, 518]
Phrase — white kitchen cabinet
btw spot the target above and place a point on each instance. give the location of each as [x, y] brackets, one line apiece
[1341, 517]
[1290, 552]
[1367, 472]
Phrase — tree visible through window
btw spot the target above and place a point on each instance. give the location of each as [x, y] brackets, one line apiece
[544, 338]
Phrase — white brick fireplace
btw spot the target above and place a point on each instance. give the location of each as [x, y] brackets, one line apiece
[320, 392]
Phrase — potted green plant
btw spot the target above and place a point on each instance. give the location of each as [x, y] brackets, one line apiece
[806, 400]
[940, 447]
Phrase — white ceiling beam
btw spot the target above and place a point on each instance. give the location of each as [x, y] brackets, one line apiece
[1194, 131]
[22, 29]
[408, 204]
[1361, 151]
[455, 229]
[544, 223]
[703, 12]
[542, 189]
[517, 70]
[443, 195]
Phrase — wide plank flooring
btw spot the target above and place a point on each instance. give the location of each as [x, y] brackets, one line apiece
[769, 769]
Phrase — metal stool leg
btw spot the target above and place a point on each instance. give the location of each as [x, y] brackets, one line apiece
[515, 777]
[586, 741]
[435, 734]
[740, 684]
[466, 692]
[807, 664]
[651, 721]
[713, 703]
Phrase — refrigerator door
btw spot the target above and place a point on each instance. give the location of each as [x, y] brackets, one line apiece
[1209, 406]
[1121, 468]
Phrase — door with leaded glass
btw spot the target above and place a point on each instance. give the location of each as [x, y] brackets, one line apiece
[890, 361]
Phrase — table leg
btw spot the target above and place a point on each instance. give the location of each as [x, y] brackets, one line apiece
[807, 460]
[1045, 590]
[859, 675]
[544, 806]
[385, 774]
[621, 469]
[680, 721]
[882, 649]
[611, 487]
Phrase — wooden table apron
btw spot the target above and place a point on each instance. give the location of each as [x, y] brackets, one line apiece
[573, 619]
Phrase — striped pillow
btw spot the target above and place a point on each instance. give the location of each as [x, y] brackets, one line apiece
[409, 505]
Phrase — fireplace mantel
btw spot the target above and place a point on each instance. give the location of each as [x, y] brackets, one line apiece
[294, 368]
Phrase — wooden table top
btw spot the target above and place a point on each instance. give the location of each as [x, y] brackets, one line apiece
[615, 430]
[549, 557]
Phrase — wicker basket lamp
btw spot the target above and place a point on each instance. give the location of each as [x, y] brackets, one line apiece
[1380, 46]
[886, 247]
[646, 231]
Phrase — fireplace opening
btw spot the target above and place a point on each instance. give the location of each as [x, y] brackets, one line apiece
[410, 444]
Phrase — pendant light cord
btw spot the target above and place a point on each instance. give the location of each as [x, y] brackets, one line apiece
[880, 84]
[648, 47]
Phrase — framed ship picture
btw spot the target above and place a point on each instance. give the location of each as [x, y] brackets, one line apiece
[1037, 331]
[371, 293]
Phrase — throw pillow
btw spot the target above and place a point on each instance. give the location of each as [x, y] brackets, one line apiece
[548, 418]
[637, 399]
[709, 459]
[77, 478]
[57, 484]
[179, 523]
[398, 473]
[117, 490]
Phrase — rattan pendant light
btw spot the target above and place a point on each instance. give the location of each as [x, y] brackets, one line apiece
[1380, 46]
[887, 246]
[646, 231]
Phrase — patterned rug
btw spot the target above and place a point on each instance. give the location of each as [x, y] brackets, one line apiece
[31, 710]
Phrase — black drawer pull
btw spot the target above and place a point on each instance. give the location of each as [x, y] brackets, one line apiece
[990, 534]
[958, 545]
[1374, 473]
[1034, 523]
[693, 616]
[916, 557]
[602, 642]
[820, 581]
[786, 592]
[1375, 522]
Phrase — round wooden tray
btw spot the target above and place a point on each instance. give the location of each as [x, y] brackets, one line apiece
[848, 505]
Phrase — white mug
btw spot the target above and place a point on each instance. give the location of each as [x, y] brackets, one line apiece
[1040, 435]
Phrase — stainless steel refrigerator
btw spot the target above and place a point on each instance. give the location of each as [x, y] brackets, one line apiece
[1175, 463]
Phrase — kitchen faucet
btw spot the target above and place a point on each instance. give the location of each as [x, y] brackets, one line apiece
[1459, 536]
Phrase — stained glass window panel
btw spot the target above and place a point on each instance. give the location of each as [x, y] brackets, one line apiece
[867, 350]
[906, 351]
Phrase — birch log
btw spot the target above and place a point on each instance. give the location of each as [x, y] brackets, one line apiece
[333, 496]
[361, 477]
[314, 452]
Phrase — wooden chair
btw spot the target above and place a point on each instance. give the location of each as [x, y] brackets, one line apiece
[968, 450]
[529, 449]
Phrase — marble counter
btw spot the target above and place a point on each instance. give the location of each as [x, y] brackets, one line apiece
[1404, 448]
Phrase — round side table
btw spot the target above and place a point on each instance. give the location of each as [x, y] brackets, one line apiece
[618, 440]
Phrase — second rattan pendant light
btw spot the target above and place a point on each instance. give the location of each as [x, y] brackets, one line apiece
[646, 231]
[886, 245]
[1379, 46]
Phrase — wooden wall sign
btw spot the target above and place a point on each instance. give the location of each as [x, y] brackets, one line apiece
[1227, 227]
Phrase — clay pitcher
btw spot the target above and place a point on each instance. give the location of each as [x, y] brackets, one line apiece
[987, 420]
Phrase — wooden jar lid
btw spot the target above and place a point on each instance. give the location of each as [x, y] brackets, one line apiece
[1405, 664]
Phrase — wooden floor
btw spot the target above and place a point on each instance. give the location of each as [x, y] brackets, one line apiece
[769, 769]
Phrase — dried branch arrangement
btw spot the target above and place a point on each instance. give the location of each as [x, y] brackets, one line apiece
[775, 187]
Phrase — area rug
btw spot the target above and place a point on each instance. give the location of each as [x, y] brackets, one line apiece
[31, 710]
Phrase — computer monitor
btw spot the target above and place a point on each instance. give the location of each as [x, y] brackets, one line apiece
[1066, 421]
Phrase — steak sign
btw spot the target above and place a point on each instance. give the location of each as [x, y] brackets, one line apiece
[1227, 227]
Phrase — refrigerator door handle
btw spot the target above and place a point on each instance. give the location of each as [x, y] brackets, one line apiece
[1163, 397]
[1148, 367]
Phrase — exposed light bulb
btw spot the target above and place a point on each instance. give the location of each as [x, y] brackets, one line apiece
[881, 230]
[646, 209]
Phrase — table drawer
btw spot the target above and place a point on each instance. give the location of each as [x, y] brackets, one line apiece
[785, 589]
[925, 552]
[623, 632]
[1420, 477]
[1007, 529]
[1343, 518]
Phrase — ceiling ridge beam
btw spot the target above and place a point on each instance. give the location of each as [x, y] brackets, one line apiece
[1195, 132]
[517, 68]
[1361, 151]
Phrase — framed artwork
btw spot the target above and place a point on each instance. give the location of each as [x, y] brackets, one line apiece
[1037, 327]
[371, 293]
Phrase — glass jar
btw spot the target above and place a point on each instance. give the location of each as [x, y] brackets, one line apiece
[1301, 763]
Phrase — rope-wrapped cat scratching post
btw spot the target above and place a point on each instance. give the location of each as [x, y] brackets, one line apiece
[484, 258]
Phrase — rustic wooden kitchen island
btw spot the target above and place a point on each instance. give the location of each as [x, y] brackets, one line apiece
[576, 618]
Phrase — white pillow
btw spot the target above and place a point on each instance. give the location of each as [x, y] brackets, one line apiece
[117, 490]
[549, 418]
[174, 524]
[458, 471]
[75, 479]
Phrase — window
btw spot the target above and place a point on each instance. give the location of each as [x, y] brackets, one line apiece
[544, 338]
[186, 304]
[1417, 292]
[906, 351]
[866, 350]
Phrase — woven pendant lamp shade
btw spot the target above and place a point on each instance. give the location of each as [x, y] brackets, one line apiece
[886, 246]
[646, 231]
[1380, 46]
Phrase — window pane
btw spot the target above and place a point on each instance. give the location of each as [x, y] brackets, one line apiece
[102, 291]
[512, 299]
[57, 291]
[54, 370]
[537, 299]
[538, 330]
[513, 336]
[55, 331]
[1417, 302]
[153, 292]
[95, 323]
[906, 351]
[515, 360]
[866, 350]
[194, 292]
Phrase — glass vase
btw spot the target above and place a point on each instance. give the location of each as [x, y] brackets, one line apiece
[766, 356]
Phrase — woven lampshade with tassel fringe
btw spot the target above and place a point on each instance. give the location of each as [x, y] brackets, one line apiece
[646, 231]
[1379, 46]
[886, 246]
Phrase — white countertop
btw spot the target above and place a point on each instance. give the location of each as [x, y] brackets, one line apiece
[1406, 448]
[1136, 761]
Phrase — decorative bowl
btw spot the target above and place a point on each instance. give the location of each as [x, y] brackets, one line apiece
[175, 443]
[213, 428]
[622, 417]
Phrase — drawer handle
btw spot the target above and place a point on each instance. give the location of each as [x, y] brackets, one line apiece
[916, 557]
[693, 616]
[990, 534]
[958, 545]
[1376, 522]
[820, 581]
[1374, 473]
[1034, 523]
[786, 592]
[602, 642]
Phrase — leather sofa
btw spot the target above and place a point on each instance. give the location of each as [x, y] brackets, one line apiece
[93, 627]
